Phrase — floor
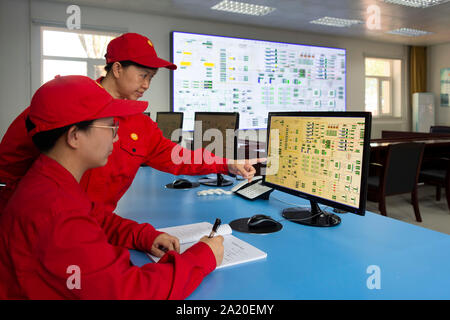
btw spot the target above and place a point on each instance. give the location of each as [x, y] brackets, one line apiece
[435, 214]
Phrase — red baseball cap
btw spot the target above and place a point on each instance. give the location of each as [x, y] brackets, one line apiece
[67, 100]
[137, 48]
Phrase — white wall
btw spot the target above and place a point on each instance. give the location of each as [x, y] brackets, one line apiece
[438, 57]
[14, 60]
[158, 29]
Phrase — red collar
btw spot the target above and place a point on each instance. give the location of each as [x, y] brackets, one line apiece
[54, 171]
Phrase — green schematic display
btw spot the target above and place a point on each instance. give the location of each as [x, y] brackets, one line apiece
[318, 156]
[254, 77]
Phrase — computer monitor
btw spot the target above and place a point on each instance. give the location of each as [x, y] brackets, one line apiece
[320, 156]
[210, 126]
[168, 122]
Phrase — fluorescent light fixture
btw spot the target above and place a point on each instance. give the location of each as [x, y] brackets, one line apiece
[336, 22]
[409, 32]
[243, 8]
[417, 3]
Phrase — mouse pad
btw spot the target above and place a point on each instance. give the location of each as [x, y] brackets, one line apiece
[241, 226]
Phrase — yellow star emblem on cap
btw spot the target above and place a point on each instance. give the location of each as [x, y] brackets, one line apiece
[134, 136]
[150, 43]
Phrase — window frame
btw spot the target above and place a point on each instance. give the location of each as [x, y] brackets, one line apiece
[391, 79]
[90, 62]
[380, 80]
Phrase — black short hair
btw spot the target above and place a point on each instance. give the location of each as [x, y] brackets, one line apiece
[126, 64]
[46, 140]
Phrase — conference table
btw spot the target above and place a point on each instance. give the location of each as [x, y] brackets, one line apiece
[364, 257]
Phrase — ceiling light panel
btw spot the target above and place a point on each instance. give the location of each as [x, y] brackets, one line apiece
[336, 22]
[417, 3]
[409, 32]
[242, 8]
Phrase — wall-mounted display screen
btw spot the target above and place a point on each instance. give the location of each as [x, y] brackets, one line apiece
[254, 77]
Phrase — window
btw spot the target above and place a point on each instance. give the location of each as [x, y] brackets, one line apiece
[383, 83]
[67, 52]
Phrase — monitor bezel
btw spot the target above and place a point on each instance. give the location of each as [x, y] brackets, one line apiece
[361, 210]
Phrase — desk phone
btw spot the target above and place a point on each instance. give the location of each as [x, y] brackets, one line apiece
[252, 190]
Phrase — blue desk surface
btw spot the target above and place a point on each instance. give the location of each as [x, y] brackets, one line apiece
[302, 262]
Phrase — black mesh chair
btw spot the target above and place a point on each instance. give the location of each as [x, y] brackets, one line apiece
[398, 174]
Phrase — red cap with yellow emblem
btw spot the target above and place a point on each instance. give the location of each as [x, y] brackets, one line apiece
[71, 99]
[137, 48]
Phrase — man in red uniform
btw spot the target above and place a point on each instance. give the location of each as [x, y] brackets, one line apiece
[57, 244]
[131, 63]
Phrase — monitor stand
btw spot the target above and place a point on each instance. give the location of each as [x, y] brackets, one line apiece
[220, 181]
[311, 217]
[336, 210]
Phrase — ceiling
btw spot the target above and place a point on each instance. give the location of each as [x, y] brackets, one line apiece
[295, 15]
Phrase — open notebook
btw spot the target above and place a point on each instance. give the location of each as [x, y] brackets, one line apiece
[236, 251]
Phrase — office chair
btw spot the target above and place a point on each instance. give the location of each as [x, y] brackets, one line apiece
[438, 175]
[440, 129]
[436, 169]
[399, 174]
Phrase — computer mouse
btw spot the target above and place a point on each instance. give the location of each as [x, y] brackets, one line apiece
[182, 184]
[261, 221]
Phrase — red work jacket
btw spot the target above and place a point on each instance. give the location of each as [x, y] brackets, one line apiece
[57, 244]
[140, 142]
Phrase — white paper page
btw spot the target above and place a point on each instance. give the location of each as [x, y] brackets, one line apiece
[236, 251]
[193, 232]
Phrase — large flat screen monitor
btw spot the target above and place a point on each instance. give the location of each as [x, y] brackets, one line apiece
[254, 77]
[217, 133]
[320, 156]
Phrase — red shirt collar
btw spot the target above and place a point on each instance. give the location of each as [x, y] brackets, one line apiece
[56, 172]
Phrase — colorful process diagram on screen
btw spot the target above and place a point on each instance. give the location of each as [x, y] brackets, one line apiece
[318, 156]
[254, 77]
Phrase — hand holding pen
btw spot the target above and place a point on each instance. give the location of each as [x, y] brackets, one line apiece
[215, 227]
[215, 243]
